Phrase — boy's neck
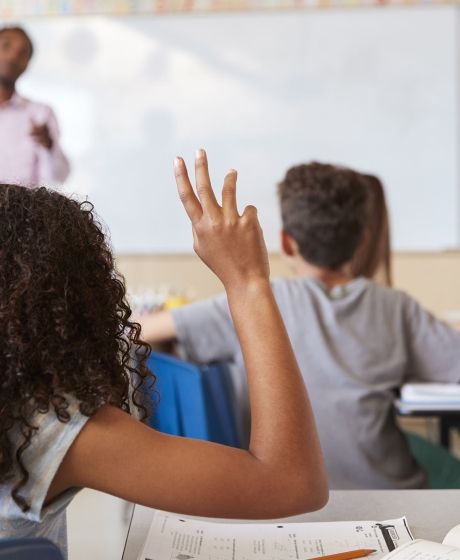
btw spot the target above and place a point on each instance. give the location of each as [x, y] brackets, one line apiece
[329, 278]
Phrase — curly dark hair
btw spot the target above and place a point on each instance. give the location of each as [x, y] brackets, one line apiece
[64, 321]
[323, 207]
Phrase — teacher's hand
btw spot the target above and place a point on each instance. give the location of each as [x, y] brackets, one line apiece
[41, 135]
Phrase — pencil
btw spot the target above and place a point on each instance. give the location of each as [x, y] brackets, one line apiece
[349, 555]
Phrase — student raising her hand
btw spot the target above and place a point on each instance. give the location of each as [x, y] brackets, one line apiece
[67, 378]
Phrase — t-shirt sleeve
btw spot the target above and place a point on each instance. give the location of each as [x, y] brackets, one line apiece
[205, 330]
[53, 165]
[45, 455]
[434, 347]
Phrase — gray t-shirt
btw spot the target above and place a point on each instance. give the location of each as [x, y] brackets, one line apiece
[355, 345]
[42, 458]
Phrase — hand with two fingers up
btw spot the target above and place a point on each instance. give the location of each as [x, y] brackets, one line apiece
[230, 244]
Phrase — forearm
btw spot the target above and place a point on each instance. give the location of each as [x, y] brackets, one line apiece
[157, 327]
[283, 426]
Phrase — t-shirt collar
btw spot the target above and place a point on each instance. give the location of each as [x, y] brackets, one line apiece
[340, 291]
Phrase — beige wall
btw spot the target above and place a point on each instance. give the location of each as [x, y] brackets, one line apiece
[432, 278]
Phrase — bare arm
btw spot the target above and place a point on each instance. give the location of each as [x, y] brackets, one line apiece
[157, 327]
[283, 471]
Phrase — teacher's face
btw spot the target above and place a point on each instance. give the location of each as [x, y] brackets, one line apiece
[14, 56]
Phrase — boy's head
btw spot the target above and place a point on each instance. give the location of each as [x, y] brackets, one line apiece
[323, 209]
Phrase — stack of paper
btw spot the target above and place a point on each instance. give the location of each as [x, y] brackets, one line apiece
[430, 396]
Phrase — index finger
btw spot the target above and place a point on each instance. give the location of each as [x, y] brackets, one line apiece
[186, 194]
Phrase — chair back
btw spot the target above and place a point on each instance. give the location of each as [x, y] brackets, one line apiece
[194, 401]
[220, 404]
[29, 549]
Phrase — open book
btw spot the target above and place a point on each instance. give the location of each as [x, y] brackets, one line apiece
[428, 550]
[172, 537]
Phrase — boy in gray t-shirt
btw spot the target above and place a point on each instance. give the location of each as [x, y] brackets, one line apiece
[356, 341]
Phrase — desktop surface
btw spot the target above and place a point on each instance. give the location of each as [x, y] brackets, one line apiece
[430, 513]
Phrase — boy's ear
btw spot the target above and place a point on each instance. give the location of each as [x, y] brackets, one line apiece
[289, 245]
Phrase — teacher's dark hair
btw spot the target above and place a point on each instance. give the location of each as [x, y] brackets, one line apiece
[23, 32]
[65, 327]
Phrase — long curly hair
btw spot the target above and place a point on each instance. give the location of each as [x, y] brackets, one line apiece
[65, 324]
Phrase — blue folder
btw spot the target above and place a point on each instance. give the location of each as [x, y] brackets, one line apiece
[194, 401]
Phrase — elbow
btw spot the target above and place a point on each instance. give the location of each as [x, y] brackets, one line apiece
[309, 496]
[65, 173]
[296, 497]
[316, 498]
[309, 489]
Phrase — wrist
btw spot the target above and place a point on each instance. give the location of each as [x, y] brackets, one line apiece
[246, 287]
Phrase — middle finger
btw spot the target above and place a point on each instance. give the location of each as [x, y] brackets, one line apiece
[203, 185]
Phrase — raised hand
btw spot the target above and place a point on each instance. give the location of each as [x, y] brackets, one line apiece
[282, 473]
[230, 244]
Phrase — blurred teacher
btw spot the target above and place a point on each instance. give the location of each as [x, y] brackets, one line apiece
[30, 154]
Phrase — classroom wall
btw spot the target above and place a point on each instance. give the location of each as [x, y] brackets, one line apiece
[432, 278]
[372, 89]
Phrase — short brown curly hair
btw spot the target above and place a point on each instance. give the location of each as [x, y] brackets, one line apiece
[65, 324]
[323, 207]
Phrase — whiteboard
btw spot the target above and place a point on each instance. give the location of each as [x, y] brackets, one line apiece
[370, 88]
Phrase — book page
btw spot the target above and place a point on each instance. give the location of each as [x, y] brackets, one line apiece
[453, 537]
[425, 550]
[172, 537]
[431, 393]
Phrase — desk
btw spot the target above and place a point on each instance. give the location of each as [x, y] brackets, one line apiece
[448, 418]
[431, 513]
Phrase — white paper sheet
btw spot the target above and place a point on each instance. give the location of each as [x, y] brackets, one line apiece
[453, 537]
[425, 550]
[172, 537]
[430, 393]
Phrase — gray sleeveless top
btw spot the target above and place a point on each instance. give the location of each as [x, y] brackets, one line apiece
[42, 459]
